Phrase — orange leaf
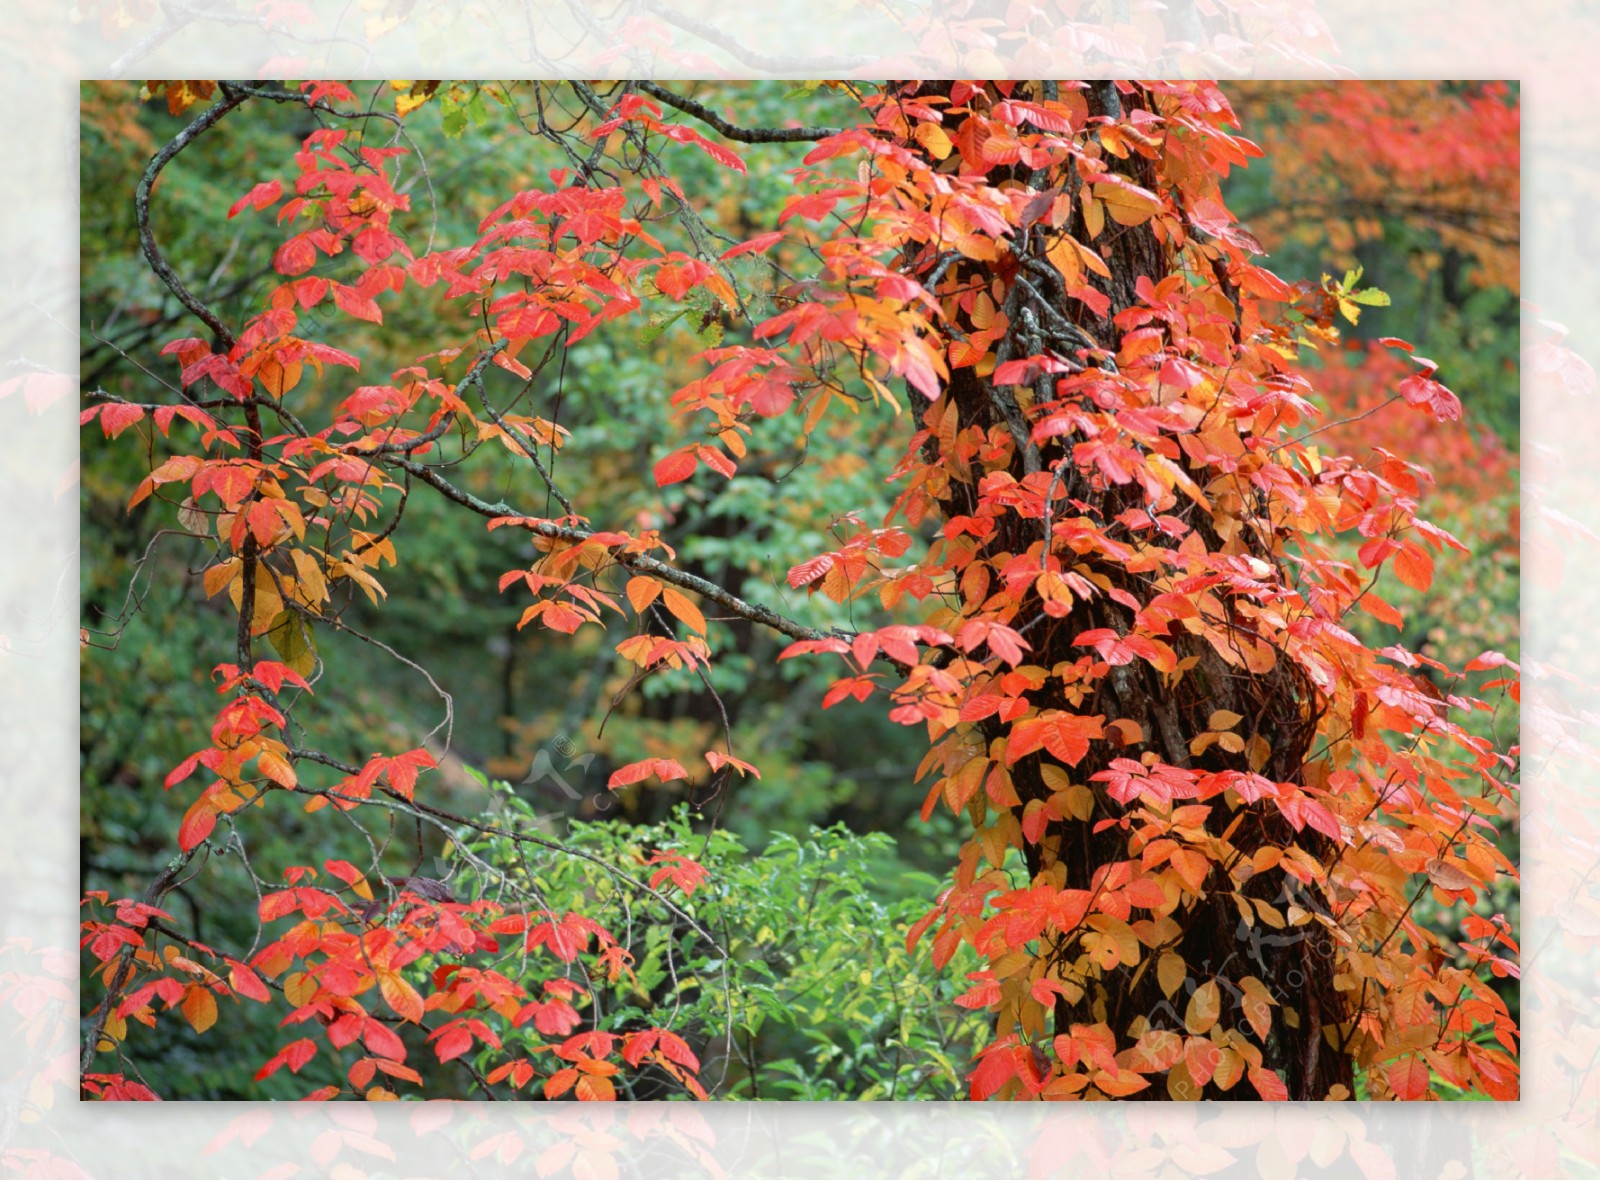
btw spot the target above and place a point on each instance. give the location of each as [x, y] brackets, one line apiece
[399, 995]
[1269, 1086]
[200, 1007]
[1122, 1082]
[718, 761]
[1381, 611]
[1192, 866]
[276, 768]
[683, 607]
[642, 592]
[1414, 565]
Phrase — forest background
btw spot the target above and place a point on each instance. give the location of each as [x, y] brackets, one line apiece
[1415, 183]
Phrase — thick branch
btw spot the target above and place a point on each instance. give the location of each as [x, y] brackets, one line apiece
[141, 201]
[744, 135]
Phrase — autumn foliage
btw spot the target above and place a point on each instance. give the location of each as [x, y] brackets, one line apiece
[1132, 564]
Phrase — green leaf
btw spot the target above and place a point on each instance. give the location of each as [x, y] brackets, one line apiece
[291, 640]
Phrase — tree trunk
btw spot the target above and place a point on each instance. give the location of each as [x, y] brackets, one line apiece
[1217, 942]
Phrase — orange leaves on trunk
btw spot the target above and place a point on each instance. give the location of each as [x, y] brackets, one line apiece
[1176, 509]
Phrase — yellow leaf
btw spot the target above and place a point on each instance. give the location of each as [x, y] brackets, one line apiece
[1055, 778]
[1205, 1006]
[1063, 255]
[1129, 731]
[963, 785]
[298, 988]
[1118, 943]
[994, 845]
[1170, 972]
[116, 1029]
[933, 138]
[312, 585]
[278, 379]
[291, 640]
[1447, 876]
[416, 94]
[1094, 215]
[1230, 1068]
[683, 607]
[1128, 204]
[1092, 259]
[1269, 913]
[1257, 1005]
[1223, 719]
[1078, 802]
[1260, 750]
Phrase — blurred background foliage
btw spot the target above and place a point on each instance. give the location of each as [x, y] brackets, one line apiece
[817, 867]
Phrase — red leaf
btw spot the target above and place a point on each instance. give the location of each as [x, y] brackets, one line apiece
[115, 417]
[1269, 1086]
[676, 467]
[295, 1055]
[375, 244]
[260, 197]
[198, 823]
[810, 571]
[354, 303]
[295, 257]
[755, 245]
[1408, 1077]
[246, 983]
[996, 1066]
[455, 1041]
[634, 772]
